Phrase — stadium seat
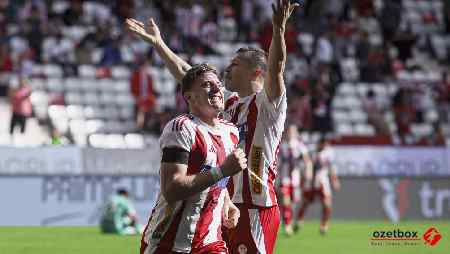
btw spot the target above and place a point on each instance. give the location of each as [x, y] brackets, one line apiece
[97, 140]
[124, 100]
[364, 130]
[39, 99]
[91, 99]
[95, 126]
[135, 141]
[120, 72]
[37, 84]
[57, 112]
[73, 98]
[73, 85]
[87, 71]
[111, 113]
[77, 127]
[107, 98]
[52, 71]
[344, 129]
[126, 112]
[55, 85]
[94, 112]
[75, 112]
[347, 89]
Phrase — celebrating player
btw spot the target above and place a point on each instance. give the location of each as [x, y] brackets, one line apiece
[198, 154]
[319, 186]
[259, 111]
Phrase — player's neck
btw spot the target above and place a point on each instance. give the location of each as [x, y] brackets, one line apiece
[209, 119]
[248, 90]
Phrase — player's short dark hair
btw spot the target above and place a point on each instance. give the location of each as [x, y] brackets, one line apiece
[253, 57]
[122, 192]
[193, 73]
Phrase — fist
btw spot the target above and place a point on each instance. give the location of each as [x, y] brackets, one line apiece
[234, 163]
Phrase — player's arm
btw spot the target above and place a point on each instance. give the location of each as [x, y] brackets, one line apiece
[151, 34]
[274, 81]
[334, 178]
[308, 165]
[177, 185]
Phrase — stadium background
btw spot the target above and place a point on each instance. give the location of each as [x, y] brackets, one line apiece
[392, 147]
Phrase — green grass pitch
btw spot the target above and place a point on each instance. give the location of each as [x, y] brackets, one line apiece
[343, 237]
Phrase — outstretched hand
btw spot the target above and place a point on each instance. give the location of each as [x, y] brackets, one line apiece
[282, 10]
[149, 33]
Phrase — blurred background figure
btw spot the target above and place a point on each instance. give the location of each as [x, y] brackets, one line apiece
[20, 105]
[319, 185]
[295, 163]
[119, 215]
[141, 85]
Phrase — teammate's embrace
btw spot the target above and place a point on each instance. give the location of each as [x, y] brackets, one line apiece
[198, 154]
[259, 111]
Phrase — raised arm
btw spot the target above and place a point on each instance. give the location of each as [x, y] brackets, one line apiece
[274, 84]
[151, 34]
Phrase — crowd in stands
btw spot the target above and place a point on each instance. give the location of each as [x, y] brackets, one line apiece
[375, 68]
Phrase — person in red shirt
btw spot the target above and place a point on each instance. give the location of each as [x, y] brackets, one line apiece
[20, 105]
[141, 86]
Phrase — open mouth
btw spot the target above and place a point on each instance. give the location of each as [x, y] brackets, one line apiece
[215, 98]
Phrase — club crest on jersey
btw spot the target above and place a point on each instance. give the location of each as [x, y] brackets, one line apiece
[222, 184]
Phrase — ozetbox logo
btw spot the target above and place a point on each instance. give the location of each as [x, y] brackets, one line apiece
[432, 236]
[396, 234]
[399, 237]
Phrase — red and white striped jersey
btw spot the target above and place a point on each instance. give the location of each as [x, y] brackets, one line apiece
[322, 165]
[291, 153]
[261, 124]
[193, 223]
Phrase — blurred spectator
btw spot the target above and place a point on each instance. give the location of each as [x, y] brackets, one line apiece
[124, 9]
[300, 110]
[324, 52]
[446, 15]
[442, 96]
[390, 19]
[375, 113]
[141, 86]
[111, 53]
[321, 110]
[73, 14]
[20, 105]
[6, 62]
[35, 30]
[404, 114]
[59, 50]
[119, 215]
[405, 42]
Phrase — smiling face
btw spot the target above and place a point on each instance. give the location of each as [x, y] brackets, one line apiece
[205, 97]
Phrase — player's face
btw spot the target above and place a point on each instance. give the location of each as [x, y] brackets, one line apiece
[236, 75]
[206, 94]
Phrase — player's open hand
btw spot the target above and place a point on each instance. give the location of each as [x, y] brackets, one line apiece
[234, 163]
[149, 33]
[282, 10]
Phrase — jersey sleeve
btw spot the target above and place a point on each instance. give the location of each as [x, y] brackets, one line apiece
[276, 108]
[177, 133]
